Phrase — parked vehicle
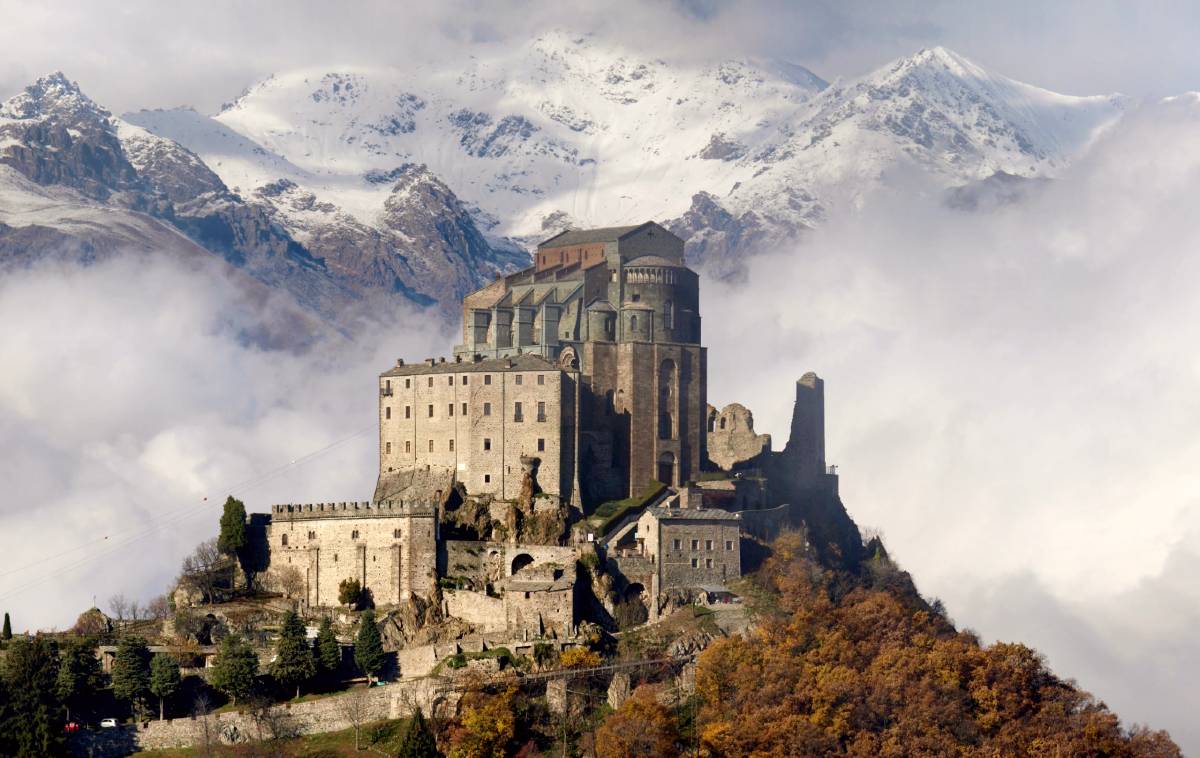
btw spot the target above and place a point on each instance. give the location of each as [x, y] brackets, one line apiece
[108, 723]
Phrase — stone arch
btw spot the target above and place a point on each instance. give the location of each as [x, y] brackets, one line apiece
[712, 419]
[634, 591]
[666, 468]
[522, 560]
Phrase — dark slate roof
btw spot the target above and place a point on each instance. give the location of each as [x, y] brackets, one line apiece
[523, 362]
[588, 236]
[693, 514]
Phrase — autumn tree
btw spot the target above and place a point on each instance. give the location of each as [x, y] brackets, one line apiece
[579, 658]
[487, 727]
[641, 726]
[368, 646]
[236, 668]
[293, 663]
[131, 671]
[79, 674]
[164, 679]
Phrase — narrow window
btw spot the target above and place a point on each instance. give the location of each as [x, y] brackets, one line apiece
[450, 380]
[677, 544]
[450, 409]
[517, 416]
[487, 478]
[708, 544]
[408, 411]
[695, 563]
[396, 533]
[431, 446]
[541, 411]
[487, 378]
[387, 411]
[430, 411]
[695, 544]
[541, 445]
[430, 381]
[335, 557]
[387, 448]
[729, 544]
[517, 378]
[387, 388]
[487, 409]
[464, 409]
[452, 446]
[354, 534]
[464, 381]
[541, 379]
[408, 384]
[284, 540]
[312, 535]
[408, 446]
[487, 443]
[708, 563]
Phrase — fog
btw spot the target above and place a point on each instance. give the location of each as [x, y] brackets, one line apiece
[132, 403]
[1013, 399]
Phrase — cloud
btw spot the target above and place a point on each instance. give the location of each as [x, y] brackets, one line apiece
[145, 54]
[132, 403]
[1013, 399]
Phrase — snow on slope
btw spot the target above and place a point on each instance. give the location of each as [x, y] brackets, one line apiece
[571, 129]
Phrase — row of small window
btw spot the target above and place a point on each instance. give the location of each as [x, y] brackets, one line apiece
[353, 536]
[487, 379]
[487, 445]
[518, 411]
[708, 563]
[708, 544]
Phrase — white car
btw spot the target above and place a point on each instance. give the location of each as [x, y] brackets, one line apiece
[108, 723]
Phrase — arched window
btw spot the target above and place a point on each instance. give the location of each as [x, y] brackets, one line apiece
[521, 561]
[633, 324]
[666, 400]
[722, 422]
[666, 468]
[284, 540]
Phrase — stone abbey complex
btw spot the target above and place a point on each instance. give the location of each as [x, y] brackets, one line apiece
[563, 466]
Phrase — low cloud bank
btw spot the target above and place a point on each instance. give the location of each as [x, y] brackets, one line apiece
[1013, 399]
[132, 402]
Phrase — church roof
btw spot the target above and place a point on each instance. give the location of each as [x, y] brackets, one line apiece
[522, 362]
[588, 236]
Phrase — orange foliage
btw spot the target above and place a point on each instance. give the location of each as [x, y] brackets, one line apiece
[579, 658]
[861, 667]
[640, 727]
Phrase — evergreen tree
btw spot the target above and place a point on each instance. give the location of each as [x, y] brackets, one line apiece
[131, 670]
[368, 647]
[329, 652]
[32, 716]
[164, 679]
[236, 668]
[79, 674]
[232, 540]
[418, 741]
[6, 633]
[294, 662]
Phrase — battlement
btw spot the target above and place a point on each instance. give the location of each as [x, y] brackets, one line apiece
[364, 509]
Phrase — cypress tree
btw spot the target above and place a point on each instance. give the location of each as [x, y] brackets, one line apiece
[294, 662]
[232, 540]
[131, 670]
[6, 633]
[236, 668]
[418, 741]
[368, 647]
[329, 652]
[164, 679]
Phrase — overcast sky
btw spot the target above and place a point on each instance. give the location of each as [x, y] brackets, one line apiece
[148, 54]
[1013, 397]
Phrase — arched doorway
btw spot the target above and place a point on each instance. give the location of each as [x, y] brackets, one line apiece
[520, 562]
[666, 468]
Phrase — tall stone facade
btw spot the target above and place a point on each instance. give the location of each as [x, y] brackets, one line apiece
[619, 306]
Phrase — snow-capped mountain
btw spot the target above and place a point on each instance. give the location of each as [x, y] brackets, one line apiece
[343, 185]
[567, 129]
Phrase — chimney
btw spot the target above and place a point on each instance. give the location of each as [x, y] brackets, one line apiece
[399, 362]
